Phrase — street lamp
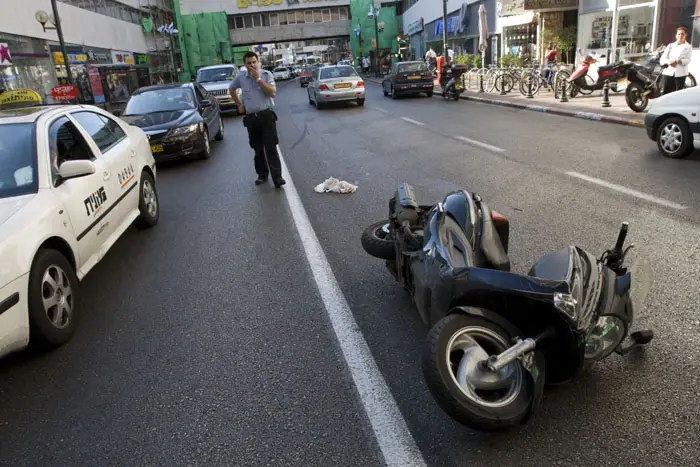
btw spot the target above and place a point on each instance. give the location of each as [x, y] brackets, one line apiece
[42, 17]
[374, 12]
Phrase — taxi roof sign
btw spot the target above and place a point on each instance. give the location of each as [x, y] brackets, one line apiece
[19, 98]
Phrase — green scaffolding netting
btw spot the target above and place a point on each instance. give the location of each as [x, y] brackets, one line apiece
[206, 39]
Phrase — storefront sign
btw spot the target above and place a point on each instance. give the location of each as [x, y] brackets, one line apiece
[123, 58]
[104, 58]
[415, 27]
[19, 96]
[65, 92]
[544, 4]
[510, 7]
[5, 57]
[96, 85]
[72, 58]
[141, 59]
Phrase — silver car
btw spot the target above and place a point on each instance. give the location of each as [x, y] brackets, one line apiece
[335, 83]
[216, 80]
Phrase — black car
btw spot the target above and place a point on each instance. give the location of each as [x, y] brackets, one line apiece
[180, 119]
[408, 78]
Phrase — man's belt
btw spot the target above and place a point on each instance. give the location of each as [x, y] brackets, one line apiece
[259, 112]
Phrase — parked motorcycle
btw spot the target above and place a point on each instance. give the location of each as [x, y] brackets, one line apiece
[451, 81]
[495, 332]
[611, 73]
[645, 82]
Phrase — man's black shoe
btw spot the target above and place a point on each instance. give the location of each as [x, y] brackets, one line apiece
[279, 182]
[260, 180]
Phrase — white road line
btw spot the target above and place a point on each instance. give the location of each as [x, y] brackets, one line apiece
[627, 191]
[480, 144]
[380, 110]
[393, 436]
[410, 120]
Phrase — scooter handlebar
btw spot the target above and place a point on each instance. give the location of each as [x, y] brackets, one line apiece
[622, 235]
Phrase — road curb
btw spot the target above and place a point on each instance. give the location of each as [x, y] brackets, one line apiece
[551, 110]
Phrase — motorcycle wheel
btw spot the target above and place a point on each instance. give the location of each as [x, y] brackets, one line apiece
[499, 403]
[635, 98]
[376, 241]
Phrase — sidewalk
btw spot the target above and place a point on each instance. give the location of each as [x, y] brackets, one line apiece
[586, 107]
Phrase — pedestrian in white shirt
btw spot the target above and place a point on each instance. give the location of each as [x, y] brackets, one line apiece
[677, 56]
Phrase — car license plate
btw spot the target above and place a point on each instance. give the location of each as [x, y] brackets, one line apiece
[342, 85]
[414, 77]
[157, 148]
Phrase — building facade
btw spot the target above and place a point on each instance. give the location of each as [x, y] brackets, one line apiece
[113, 48]
[423, 25]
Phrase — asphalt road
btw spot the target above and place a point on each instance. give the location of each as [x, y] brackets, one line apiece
[208, 343]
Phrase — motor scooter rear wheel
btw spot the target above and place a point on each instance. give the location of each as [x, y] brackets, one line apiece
[479, 399]
[377, 241]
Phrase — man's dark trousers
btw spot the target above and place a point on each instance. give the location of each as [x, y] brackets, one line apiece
[262, 136]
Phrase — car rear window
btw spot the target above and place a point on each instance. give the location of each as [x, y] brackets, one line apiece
[337, 72]
[413, 68]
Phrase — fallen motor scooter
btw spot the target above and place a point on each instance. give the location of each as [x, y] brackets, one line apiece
[611, 73]
[494, 332]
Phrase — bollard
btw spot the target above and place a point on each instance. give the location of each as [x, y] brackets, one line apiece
[481, 82]
[563, 91]
[606, 90]
[503, 85]
[529, 88]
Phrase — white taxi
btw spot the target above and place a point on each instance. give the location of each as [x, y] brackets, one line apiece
[73, 178]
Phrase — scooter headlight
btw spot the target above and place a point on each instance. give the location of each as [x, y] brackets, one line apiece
[605, 336]
[570, 304]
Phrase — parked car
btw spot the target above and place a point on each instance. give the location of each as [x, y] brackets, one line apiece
[672, 121]
[305, 76]
[281, 73]
[72, 180]
[179, 119]
[408, 78]
[216, 80]
[334, 84]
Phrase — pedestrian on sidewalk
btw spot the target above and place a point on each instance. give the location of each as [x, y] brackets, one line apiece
[677, 56]
[550, 59]
[258, 90]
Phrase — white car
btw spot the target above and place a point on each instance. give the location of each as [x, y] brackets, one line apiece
[281, 73]
[216, 80]
[72, 180]
[672, 121]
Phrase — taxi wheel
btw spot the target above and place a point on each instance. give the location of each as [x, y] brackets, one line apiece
[360, 102]
[54, 301]
[149, 208]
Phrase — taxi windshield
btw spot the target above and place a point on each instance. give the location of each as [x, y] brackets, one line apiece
[18, 168]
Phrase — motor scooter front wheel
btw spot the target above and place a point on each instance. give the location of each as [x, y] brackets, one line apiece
[377, 241]
[635, 98]
[475, 397]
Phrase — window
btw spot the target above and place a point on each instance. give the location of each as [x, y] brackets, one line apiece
[66, 144]
[317, 16]
[248, 21]
[239, 22]
[265, 20]
[18, 174]
[283, 19]
[103, 130]
[273, 19]
[326, 15]
[309, 16]
[335, 16]
[291, 18]
[257, 21]
[201, 93]
[343, 13]
[338, 72]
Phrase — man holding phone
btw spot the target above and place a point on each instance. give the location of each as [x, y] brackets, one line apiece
[258, 90]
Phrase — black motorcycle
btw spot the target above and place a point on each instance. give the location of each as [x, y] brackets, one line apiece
[645, 82]
[451, 81]
[494, 332]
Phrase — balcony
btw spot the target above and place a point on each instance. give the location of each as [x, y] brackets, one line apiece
[290, 32]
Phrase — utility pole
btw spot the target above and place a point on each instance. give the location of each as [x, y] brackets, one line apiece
[59, 30]
[376, 34]
[444, 29]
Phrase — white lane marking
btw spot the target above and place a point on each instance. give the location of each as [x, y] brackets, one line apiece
[393, 436]
[410, 120]
[381, 110]
[627, 191]
[480, 144]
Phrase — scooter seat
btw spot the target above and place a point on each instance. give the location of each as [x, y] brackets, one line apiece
[609, 67]
[491, 245]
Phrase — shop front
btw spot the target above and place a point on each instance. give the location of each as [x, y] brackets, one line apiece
[518, 29]
[25, 63]
[681, 13]
[414, 32]
[636, 25]
[557, 22]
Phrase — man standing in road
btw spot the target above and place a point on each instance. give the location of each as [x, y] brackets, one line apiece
[258, 90]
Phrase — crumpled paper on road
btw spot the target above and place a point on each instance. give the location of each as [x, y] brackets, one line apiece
[333, 185]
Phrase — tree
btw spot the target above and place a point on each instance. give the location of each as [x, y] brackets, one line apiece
[567, 40]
